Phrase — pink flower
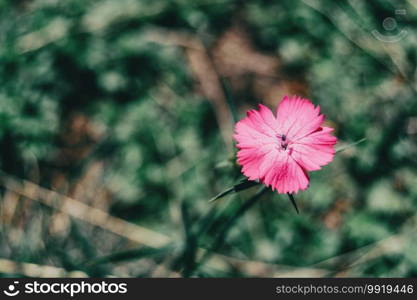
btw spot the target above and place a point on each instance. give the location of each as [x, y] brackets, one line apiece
[280, 150]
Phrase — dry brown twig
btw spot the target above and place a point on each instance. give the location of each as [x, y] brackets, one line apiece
[34, 270]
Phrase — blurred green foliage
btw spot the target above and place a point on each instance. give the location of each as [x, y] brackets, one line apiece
[159, 137]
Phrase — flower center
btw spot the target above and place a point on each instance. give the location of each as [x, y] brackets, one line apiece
[282, 138]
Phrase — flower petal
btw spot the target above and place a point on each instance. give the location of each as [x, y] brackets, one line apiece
[298, 117]
[286, 175]
[256, 137]
[314, 150]
[262, 120]
[251, 159]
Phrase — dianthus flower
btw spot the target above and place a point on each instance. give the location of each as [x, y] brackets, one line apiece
[280, 150]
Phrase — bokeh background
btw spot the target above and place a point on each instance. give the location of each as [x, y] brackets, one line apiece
[116, 121]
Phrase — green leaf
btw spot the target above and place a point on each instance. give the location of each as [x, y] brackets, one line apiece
[243, 185]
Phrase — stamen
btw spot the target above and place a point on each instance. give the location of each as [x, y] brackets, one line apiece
[283, 137]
